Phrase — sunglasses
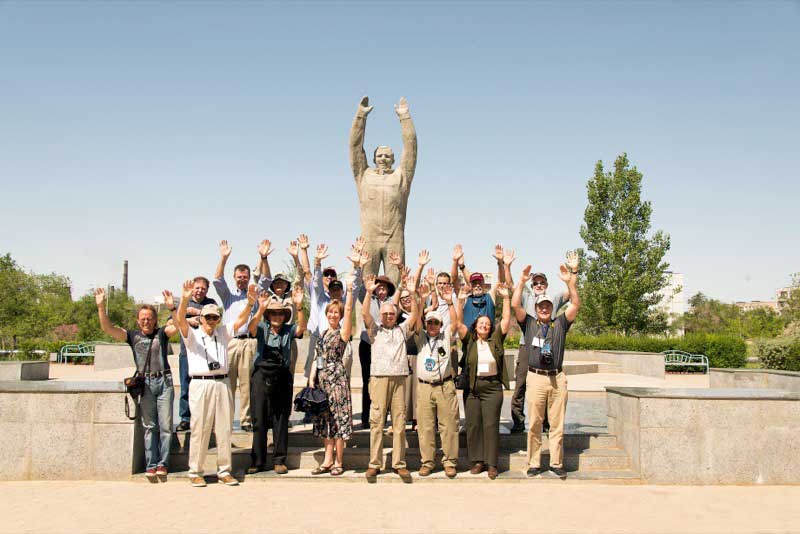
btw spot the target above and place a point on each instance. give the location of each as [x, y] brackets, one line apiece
[434, 322]
[329, 275]
[538, 283]
[212, 317]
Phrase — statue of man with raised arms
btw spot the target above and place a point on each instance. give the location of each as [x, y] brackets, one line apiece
[383, 191]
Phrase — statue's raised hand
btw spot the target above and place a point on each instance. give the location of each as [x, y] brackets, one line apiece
[401, 108]
[363, 107]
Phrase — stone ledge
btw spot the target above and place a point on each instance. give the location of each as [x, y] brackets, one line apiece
[756, 371]
[58, 386]
[705, 394]
[24, 370]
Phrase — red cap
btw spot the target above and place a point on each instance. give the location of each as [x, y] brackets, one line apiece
[476, 277]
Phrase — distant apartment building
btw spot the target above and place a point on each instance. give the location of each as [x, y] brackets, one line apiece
[673, 302]
[758, 304]
[782, 296]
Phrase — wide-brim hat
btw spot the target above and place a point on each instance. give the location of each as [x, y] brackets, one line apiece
[277, 305]
[390, 287]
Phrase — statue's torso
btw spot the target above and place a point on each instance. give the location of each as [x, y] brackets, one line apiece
[383, 199]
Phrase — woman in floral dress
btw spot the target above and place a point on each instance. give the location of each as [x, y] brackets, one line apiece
[335, 425]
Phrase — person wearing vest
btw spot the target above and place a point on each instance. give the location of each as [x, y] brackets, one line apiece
[271, 380]
[542, 343]
[484, 364]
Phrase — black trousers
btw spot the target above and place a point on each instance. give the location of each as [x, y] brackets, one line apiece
[270, 407]
[482, 407]
[365, 357]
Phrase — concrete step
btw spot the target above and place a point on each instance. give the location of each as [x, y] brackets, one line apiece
[360, 438]
[621, 476]
[358, 458]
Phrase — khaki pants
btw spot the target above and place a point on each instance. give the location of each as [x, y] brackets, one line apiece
[241, 353]
[210, 403]
[411, 390]
[437, 402]
[387, 394]
[551, 392]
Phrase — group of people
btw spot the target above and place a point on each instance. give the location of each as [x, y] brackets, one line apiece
[425, 336]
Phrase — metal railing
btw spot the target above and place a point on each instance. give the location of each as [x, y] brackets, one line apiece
[679, 358]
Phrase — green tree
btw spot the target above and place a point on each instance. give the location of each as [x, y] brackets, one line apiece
[624, 268]
[121, 310]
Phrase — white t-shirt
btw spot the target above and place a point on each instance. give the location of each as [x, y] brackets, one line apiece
[202, 349]
[487, 365]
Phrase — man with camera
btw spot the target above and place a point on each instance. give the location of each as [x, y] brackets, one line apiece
[542, 343]
[210, 395]
[436, 391]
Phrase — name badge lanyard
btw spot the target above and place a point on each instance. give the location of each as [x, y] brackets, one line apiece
[432, 343]
[546, 330]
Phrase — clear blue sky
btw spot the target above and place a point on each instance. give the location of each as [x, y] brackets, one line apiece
[149, 131]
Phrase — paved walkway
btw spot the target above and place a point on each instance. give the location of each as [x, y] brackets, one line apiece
[313, 507]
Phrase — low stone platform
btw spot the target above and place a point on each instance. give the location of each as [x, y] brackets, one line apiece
[21, 370]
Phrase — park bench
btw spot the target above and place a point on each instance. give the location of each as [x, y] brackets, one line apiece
[75, 350]
[679, 358]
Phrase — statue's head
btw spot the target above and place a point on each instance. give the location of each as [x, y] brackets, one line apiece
[383, 158]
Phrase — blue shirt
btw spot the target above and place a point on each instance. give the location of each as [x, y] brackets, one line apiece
[274, 350]
[233, 302]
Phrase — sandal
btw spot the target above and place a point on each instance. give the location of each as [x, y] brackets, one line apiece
[337, 470]
[322, 469]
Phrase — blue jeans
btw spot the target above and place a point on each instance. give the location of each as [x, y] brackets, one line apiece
[183, 370]
[157, 411]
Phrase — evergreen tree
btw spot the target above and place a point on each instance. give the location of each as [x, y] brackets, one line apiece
[624, 268]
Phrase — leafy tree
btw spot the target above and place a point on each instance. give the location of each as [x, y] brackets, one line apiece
[710, 316]
[121, 310]
[624, 268]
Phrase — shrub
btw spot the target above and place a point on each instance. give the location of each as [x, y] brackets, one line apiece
[780, 353]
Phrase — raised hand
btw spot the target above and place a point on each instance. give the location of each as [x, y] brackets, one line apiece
[447, 294]
[302, 241]
[564, 273]
[100, 296]
[458, 254]
[252, 293]
[424, 290]
[573, 260]
[349, 280]
[169, 300]
[498, 252]
[224, 249]
[293, 249]
[263, 299]
[424, 257]
[502, 289]
[187, 287]
[322, 252]
[509, 256]
[430, 277]
[463, 292]
[363, 259]
[394, 258]
[355, 255]
[360, 243]
[411, 284]
[401, 108]
[404, 272]
[526, 273]
[297, 295]
[265, 248]
[369, 283]
[363, 107]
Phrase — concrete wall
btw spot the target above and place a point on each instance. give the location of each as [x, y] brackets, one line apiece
[708, 436]
[14, 370]
[754, 378]
[67, 431]
[633, 363]
[119, 355]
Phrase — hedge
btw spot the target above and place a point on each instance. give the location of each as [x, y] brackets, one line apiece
[722, 350]
[779, 353]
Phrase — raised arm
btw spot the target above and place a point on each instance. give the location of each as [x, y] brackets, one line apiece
[224, 254]
[505, 319]
[501, 274]
[451, 308]
[254, 296]
[120, 334]
[516, 298]
[369, 287]
[570, 277]
[302, 320]
[411, 285]
[264, 250]
[179, 317]
[347, 320]
[460, 327]
[408, 162]
[358, 158]
[302, 243]
[508, 258]
[458, 261]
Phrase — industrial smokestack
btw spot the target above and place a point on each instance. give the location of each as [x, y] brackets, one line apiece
[125, 277]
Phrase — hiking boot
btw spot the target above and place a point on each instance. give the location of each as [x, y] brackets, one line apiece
[371, 474]
[281, 469]
[425, 471]
[450, 471]
[228, 480]
[477, 468]
[492, 472]
[198, 482]
[404, 474]
[559, 472]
